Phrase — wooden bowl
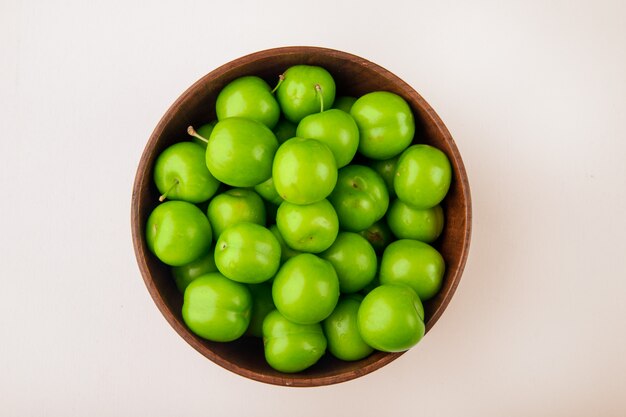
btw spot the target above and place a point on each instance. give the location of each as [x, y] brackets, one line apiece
[354, 76]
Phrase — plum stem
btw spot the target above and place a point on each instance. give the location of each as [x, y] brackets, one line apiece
[192, 132]
[164, 195]
[318, 90]
[281, 78]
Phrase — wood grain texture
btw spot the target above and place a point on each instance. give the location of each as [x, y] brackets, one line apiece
[354, 76]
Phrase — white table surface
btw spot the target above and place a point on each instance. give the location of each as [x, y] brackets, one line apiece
[534, 94]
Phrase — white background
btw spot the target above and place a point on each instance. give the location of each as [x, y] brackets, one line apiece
[534, 93]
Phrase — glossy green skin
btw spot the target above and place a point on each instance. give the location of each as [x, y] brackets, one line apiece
[183, 164]
[286, 252]
[344, 103]
[304, 171]
[297, 94]
[311, 228]
[354, 261]
[240, 152]
[262, 305]
[387, 170]
[267, 190]
[248, 253]
[378, 235]
[391, 318]
[360, 197]
[204, 131]
[178, 233]
[342, 333]
[216, 308]
[184, 274]
[284, 130]
[306, 289]
[234, 206]
[413, 263]
[423, 176]
[385, 123]
[337, 129]
[249, 97]
[291, 347]
[407, 222]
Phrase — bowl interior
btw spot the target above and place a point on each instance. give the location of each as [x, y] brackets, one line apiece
[354, 76]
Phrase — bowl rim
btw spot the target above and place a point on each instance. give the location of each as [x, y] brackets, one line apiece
[138, 235]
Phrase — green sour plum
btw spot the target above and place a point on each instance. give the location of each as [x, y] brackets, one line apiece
[216, 308]
[300, 89]
[360, 198]
[306, 289]
[235, 206]
[304, 171]
[249, 97]
[354, 260]
[407, 222]
[178, 233]
[247, 253]
[413, 263]
[423, 176]
[291, 347]
[240, 152]
[336, 129]
[385, 123]
[342, 333]
[310, 228]
[391, 318]
[180, 173]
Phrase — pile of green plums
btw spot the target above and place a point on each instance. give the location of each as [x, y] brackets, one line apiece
[303, 219]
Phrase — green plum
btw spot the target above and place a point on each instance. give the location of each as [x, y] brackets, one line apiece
[344, 103]
[249, 97]
[354, 261]
[360, 197]
[413, 263]
[216, 308]
[391, 318]
[235, 206]
[423, 176]
[342, 333]
[304, 90]
[378, 235]
[267, 190]
[291, 347]
[286, 252]
[240, 152]
[178, 233]
[248, 253]
[262, 304]
[184, 274]
[284, 130]
[336, 129]
[386, 124]
[310, 228]
[304, 171]
[180, 173]
[387, 170]
[202, 134]
[407, 222]
[306, 289]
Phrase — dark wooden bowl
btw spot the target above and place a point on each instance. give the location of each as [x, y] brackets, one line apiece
[354, 76]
